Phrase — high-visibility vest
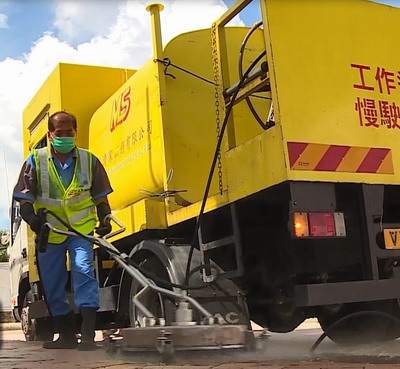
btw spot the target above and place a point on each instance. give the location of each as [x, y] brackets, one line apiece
[74, 205]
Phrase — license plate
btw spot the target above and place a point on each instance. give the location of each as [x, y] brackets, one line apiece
[392, 238]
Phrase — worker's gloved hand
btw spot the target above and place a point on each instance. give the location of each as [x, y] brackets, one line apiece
[28, 214]
[104, 227]
[103, 209]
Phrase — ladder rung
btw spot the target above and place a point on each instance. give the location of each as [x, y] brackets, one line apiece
[218, 243]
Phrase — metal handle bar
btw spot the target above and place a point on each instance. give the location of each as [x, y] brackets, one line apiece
[118, 223]
[106, 244]
[120, 258]
[121, 229]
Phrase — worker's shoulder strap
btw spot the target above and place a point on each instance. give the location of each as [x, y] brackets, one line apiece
[40, 153]
[42, 168]
[85, 160]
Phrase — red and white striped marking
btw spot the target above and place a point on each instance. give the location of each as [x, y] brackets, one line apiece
[339, 158]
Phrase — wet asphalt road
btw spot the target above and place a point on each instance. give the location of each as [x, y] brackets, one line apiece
[290, 350]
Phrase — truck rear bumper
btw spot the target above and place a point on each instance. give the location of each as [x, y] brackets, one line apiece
[346, 292]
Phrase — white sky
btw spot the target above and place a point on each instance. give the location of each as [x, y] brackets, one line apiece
[101, 32]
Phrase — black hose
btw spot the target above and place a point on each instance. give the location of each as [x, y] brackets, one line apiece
[194, 243]
[162, 282]
[244, 42]
[347, 317]
[239, 308]
[69, 228]
[266, 125]
[148, 274]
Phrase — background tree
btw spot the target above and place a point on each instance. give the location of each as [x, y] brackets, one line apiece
[4, 242]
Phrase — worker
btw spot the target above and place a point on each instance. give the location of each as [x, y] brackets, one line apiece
[70, 182]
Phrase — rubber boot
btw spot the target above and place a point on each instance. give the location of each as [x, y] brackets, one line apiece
[67, 338]
[88, 329]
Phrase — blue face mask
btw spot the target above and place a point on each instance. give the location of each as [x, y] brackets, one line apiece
[63, 145]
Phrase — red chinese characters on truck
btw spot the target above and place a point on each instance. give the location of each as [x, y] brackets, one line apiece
[372, 112]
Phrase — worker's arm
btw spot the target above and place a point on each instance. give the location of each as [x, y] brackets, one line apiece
[103, 209]
[101, 187]
[25, 193]
[28, 214]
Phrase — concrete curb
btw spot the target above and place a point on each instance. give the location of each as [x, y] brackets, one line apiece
[10, 326]
[6, 316]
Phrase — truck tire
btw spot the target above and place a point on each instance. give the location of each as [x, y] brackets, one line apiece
[363, 322]
[159, 305]
[279, 318]
[35, 329]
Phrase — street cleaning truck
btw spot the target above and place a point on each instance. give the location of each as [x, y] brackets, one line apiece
[255, 170]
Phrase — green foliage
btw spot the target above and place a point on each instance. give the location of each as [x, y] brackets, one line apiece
[3, 250]
[3, 255]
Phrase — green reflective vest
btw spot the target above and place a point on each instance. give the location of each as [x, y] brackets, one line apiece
[74, 204]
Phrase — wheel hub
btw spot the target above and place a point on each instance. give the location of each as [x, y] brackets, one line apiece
[25, 322]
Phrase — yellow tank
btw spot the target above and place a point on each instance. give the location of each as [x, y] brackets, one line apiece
[157, 132]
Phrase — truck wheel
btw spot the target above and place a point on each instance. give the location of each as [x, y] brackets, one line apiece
[161, 306]
[34, 329]
[280, 318]
[369, 322]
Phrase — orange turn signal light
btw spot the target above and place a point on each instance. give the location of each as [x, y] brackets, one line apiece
[301, 228]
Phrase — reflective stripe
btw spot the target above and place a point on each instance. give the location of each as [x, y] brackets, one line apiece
[84, 174]
[82, 214]
[44, 172]
[54, 221]
[74, 204]
[49, 202]
[82, 196]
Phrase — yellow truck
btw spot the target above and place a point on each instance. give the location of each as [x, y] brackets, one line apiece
[260, 163]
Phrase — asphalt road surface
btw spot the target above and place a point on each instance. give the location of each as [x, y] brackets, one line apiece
[277, 351]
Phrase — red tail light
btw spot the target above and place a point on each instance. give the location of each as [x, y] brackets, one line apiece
[319, 225]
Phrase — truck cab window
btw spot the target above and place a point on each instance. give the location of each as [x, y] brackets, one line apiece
[41, 143]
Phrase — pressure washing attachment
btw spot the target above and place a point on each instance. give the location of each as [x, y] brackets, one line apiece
[184, 333]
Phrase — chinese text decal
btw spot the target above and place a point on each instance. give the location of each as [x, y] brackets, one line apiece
[374, 112]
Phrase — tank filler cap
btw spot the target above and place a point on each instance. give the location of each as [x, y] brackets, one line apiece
[159, 6]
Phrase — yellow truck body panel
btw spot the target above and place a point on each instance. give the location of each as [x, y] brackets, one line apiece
[335, 100]
[337, 85]
[80, 89]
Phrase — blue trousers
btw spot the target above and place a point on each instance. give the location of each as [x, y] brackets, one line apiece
[54, 277]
